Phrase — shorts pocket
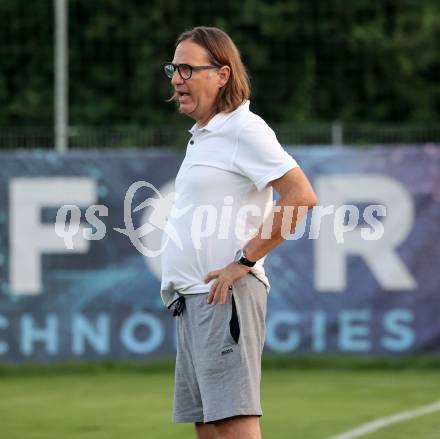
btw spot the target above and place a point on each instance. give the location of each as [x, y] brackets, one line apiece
[234, 324]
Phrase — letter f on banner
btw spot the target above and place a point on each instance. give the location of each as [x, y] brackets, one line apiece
[380, 255]
[29, 238]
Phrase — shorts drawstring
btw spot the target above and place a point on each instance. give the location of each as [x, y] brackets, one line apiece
[179, 305]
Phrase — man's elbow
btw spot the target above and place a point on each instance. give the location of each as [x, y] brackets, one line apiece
[312, 199]
[306, 198]
[308, 195]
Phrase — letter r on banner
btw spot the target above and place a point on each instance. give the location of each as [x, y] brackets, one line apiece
[380, 255]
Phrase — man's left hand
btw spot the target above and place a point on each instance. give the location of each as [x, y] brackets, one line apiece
[224, 280]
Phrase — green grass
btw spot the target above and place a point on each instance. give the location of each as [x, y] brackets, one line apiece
[300, 400]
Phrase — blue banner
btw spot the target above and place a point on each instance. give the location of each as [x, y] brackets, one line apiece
[359, 276]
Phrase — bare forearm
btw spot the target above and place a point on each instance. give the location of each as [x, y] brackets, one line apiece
[285, 217]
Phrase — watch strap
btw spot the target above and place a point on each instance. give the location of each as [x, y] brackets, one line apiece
[243, 260]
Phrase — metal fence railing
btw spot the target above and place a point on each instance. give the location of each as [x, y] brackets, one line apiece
[355, 134]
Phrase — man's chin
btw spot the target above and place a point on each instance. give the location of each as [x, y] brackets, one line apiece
[186, 109]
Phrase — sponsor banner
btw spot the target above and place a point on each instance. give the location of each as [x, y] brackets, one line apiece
[81, 237]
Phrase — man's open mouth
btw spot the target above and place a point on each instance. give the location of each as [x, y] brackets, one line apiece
[182, 93]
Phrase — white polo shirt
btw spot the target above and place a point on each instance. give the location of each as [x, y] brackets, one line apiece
[222, 198]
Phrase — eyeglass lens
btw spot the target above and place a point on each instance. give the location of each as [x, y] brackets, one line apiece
[183, 69]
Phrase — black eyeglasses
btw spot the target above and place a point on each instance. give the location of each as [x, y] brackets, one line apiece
[185, 70]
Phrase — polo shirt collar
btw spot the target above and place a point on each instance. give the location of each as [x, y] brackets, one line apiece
[217, 121]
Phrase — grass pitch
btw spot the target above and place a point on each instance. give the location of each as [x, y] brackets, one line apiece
[306, 401]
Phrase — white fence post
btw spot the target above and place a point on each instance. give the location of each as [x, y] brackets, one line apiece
[337, 133]
[61, 76]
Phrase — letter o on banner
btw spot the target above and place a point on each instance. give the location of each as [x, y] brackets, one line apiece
[148, 345]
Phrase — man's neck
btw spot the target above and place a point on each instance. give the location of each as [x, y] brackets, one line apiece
[203, 122]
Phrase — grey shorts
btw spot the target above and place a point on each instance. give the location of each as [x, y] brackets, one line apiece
[219, 348]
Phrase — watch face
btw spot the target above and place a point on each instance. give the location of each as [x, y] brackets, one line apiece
[238, 255]
[241, 258]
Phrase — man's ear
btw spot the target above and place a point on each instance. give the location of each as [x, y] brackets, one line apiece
[223, 74]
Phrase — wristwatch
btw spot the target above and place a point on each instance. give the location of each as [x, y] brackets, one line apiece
[240, 258]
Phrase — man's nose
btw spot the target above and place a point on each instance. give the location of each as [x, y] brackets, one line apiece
[176, 79]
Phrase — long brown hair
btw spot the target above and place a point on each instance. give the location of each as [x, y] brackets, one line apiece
[222, 52]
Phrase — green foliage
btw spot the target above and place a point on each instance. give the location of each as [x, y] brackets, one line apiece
[311, 61]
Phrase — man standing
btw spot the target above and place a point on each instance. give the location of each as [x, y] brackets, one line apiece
[216, 276]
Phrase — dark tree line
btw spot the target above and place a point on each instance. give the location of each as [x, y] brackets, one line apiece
[309, 61]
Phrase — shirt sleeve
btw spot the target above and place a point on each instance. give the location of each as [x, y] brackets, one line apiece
[260, 156]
